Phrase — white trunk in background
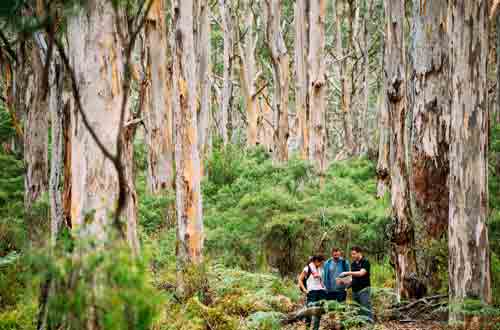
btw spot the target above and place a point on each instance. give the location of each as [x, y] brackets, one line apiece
[317, 85]
[227, 90]
[158, 101]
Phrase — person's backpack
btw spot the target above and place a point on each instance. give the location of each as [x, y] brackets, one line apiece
[345, 264]
[304, 280]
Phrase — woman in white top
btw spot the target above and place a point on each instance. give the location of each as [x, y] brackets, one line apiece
[311, 281]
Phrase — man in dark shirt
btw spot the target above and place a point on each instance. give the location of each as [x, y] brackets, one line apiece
[360, 272]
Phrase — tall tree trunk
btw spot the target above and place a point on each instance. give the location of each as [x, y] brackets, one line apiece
[345, 71]
[364, 120]
[96, 58]
[158, 105]
[58, 118]
[202, 46]
[36, 130]
[301, 17]
[469, 258]
[248, 72]
[317, 85]
[187, 159]
[280, 60]
[227, 89]
[395, 86]
[431, 126]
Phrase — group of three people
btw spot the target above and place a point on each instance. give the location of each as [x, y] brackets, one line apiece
[329, 281]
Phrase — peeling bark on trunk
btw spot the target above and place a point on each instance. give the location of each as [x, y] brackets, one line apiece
[317, 85]
[395, 85]
[202, 46]
[248, 73]
[96, 58]
[364, 120]
[36, 130]
[301, 17]
[58, 118]
[266, 126]
[158, 104]
[227, 90]
[383, 163]
[431, 127]
[280, 61]
[187, 159]
[469, 258]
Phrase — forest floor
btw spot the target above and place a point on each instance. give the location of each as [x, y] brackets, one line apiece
[393, 325]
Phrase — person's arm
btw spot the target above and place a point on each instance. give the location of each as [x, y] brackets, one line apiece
[301, 281]
[359, 273]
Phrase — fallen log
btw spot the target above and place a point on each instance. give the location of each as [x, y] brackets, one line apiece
[303, 313]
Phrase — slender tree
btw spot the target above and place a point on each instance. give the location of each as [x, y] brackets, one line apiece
[202, 46]
[248, 71]
[36, 130]
[280, 61]
[301, 16]
[158, 101]
[469, 259]
[187, 159]
[317, 85]
[395, 86]
[227, 90]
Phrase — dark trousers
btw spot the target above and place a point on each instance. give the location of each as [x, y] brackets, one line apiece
[313, 297]
[339, 296]
[362, 297]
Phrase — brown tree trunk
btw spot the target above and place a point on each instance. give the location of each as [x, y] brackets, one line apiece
[431, 127]
[301, 18]
[36, 130]
[227, 90]
[317, 85]
[395, 86]
[469, 258]
[158, 103]
[280, 60]
[187, 159]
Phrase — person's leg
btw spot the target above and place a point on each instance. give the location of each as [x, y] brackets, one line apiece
[366, 306]
[321, 295]
[341, 296]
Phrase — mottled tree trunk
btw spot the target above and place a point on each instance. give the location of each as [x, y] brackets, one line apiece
[431, 127]
[280, 61]
[248, 73]
[187, 159]
[58, 118]
[36, 137]
[158, 102]
[469, 258]
[266, 126]
[345, 70]
[395, 85]
[317, 85]
[301, 17]
[202, 46]
[227, 89]
[95, 52]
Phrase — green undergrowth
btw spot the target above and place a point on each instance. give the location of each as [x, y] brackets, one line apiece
[267, 217]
